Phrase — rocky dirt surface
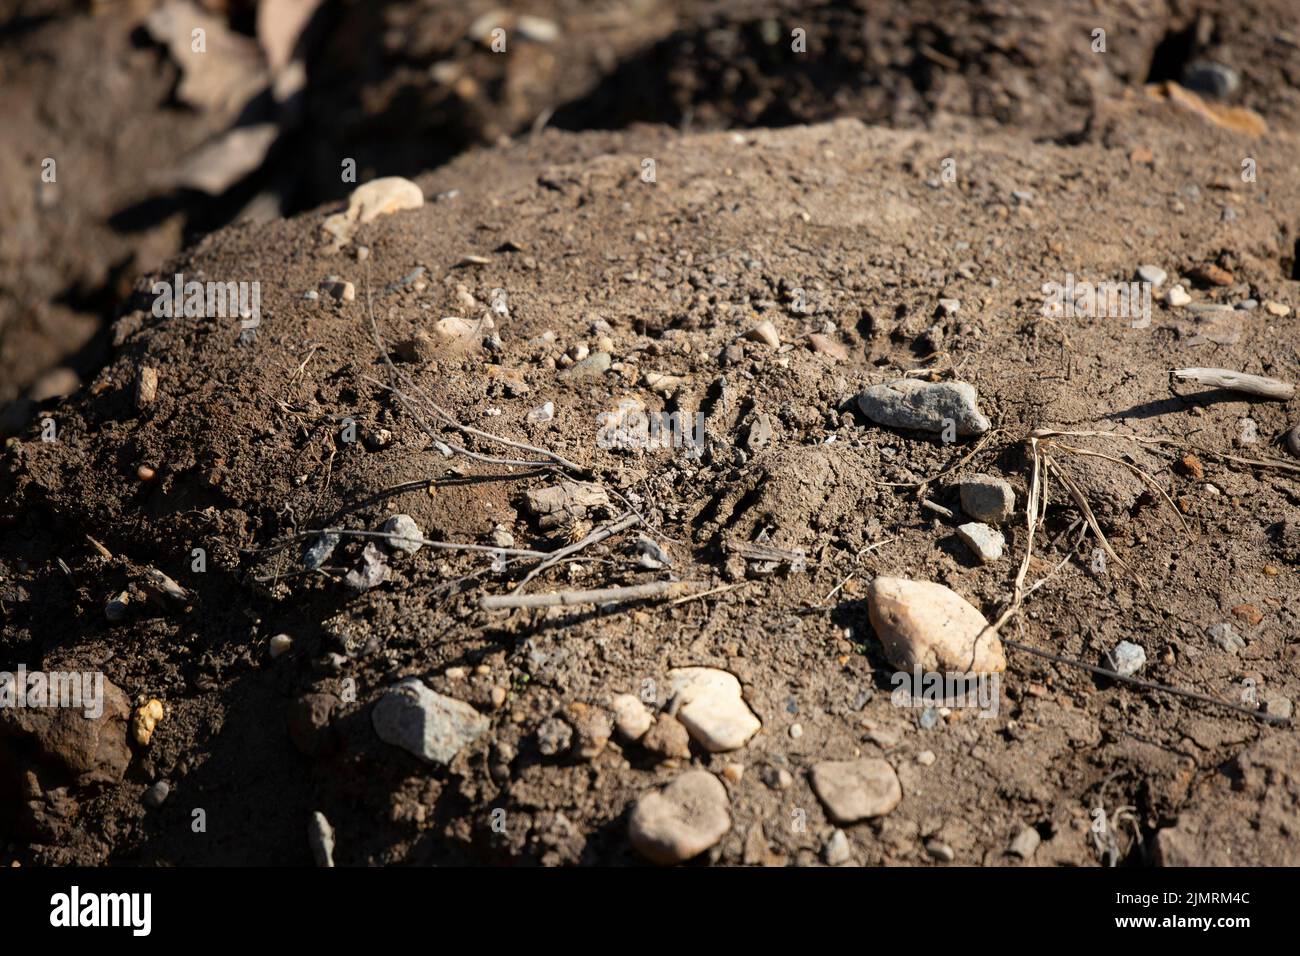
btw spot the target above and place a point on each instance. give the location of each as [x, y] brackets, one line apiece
[345, 697]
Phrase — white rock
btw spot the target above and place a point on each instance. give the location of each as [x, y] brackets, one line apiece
[430, 726]
[280, 644]
[1127, 658]
[1153, 274]
[681, 821]
[983, 540]
[369, 201]
[837, 851]
[404, 525]
[1025, 843]
[1177, 297]
[542, 413]
[854, 790]
[926, 625]
[452, 328]
[320, 837]
[631, 717]
[380, 197]
[709, 704]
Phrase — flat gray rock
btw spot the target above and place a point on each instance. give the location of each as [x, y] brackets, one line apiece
[924, 406]
[426, 724]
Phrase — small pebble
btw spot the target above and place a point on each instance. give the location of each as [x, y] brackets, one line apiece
[778, 778]
[157, 795]
[280, 644]
[145, 719]
[319, 551]
[1177, 297]
[340, 289]
[145, 473]
[1211, 79]
[837, 851]
[1277, 309]
[796, 731]
[1025, 843]
[1226, 637]
[320, 837]
[146, 386]
[987, 543]
[987, 498]
[1278, 707]
[1127, 658]
[405, 526]
[940, 851]
[542, 413]
[1153, 274]
[631, 718]
[766, 333]
[117, 609]
[925, 758]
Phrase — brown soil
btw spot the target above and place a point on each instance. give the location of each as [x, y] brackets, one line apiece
[244, 437]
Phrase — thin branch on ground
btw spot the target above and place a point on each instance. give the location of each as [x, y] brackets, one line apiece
[496, 602]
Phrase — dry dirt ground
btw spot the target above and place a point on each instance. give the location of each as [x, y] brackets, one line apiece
[1061, 164]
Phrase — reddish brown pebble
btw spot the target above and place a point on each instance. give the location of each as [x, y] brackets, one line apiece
[1191, 466]
[1248, 613]
[145, 473]
[1210, 274]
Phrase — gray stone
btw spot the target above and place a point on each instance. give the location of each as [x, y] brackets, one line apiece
[987, 498]
[854, 790]
[1211, 79]
[837, 851]
[404, 525]
[593, 366]
[426, 724]
[319, 551]
[924, 406]
[157, 795]
[985, 542]
[1127, 658]
[1226, 637]
[940, 851]
[371, 572]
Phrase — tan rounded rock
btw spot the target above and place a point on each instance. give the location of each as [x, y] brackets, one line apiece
[681, 821]
[709, 704]
[853, 790]
[925, 625]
